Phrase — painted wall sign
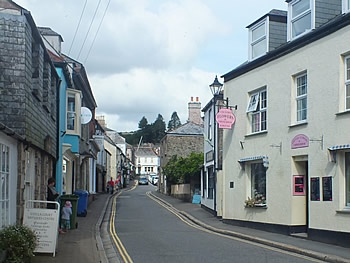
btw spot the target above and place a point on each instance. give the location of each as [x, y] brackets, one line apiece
[300, 141]
[225, 118]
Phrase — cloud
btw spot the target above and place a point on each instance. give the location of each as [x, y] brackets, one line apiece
[143, 92]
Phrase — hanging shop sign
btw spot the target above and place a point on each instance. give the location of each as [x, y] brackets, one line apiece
[225, 118]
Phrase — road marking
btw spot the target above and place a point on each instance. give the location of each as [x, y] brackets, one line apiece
[194, 225]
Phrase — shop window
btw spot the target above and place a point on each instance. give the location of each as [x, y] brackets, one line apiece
[347, 179]
[258, 183]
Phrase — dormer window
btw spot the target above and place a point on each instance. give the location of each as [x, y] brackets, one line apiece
[300, 17]
[258, 40]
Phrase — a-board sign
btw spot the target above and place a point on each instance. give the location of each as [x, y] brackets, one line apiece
[44, 222]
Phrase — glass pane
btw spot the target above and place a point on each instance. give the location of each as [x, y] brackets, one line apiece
[348, 68]
[258, 180]
[258, 32]
[256, 122]
[259, 48]
[253, 103]
[300, 7]
[347, 96]
[263, 121]
[301, 25]
[301, 109]
[347, 178]
[301, 85]
[263, 99]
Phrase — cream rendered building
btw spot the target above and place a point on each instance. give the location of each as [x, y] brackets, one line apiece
[286, 161]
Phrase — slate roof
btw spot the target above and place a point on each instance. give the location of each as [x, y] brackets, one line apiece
[145, 151]
[188, 129]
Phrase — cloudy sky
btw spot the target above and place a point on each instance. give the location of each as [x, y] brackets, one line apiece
[149, 57]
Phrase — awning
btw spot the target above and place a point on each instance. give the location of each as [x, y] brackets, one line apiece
[339, 147]
[333, 150]
[264, 159]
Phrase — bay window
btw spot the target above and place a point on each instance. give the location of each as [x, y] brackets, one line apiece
[73, 111]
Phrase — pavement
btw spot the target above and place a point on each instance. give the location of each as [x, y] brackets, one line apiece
[90, 241]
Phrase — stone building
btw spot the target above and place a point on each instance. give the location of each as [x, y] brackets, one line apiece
[28, 106]
[182, 141]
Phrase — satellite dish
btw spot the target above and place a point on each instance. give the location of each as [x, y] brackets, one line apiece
[86, 115]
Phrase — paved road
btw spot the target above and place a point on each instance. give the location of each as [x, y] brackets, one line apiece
[150, 232]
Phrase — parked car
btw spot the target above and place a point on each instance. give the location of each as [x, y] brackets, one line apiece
[143, 181]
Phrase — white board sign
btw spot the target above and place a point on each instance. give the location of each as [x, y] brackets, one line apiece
[86, 115]
[44, 222]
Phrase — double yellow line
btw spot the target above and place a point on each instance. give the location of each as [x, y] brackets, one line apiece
[119, 245]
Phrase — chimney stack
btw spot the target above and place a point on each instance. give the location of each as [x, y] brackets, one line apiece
[194, 111]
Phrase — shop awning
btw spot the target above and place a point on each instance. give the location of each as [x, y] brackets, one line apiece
[339, 147]
[264, 159]
[333, 150]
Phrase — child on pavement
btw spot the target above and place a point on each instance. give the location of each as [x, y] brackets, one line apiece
[65, 218]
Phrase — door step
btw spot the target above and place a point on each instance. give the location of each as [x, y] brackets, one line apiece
[299, 235]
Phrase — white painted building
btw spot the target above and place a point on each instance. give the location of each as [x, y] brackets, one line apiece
[286, 162]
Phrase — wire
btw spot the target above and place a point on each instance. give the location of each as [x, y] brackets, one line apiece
[92, 20]
[76, 31]
[98, 29]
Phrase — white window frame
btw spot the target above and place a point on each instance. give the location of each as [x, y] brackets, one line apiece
[299, 98]
[253, 43]
[347, 180]
[346, 6]
[8, 180]
[292, 19]
[347, 83]
[257, 109]
[258, 193]
[76, 113]
[253, 102]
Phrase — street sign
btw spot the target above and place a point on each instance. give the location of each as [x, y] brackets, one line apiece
[225, 118]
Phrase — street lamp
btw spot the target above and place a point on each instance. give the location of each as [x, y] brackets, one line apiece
[216, 87]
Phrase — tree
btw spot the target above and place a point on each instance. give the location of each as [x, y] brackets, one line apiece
[174, 121]
[182, 169]
[158, 128]
[143, 123]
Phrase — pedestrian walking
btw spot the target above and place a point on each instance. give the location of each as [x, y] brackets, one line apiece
[111, 185]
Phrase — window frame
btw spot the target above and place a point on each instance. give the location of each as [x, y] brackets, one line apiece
[346, 6]
[76, 94]
[301, 98]
[253, 43]
[259, 193]
[293, 19]
[257, 109]
[347, 83]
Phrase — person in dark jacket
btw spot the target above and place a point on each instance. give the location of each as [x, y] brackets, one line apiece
[52, 194]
